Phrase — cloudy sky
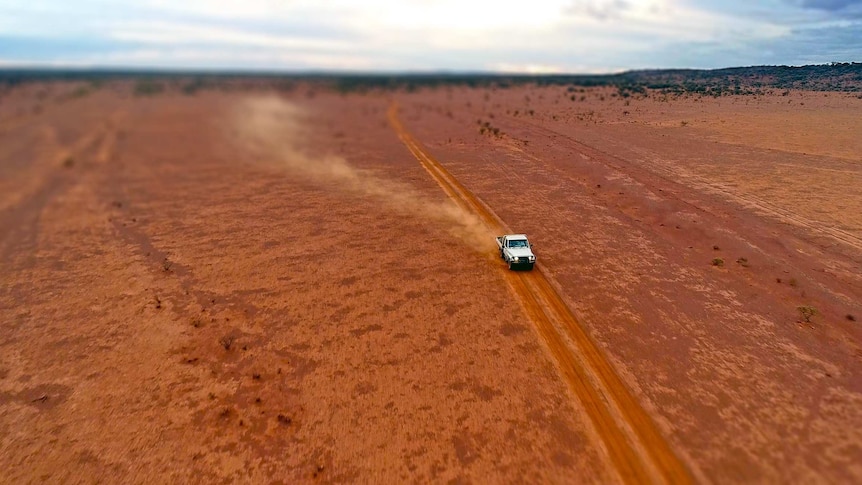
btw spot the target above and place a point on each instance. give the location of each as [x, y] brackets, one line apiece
[428, 35]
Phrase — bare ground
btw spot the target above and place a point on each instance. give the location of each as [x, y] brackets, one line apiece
[191, 292]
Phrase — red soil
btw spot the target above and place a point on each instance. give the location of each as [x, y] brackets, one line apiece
[235, 286]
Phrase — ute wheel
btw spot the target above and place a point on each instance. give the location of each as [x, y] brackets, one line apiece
[501, 254]
[511, 265]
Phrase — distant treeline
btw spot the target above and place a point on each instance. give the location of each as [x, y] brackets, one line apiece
[738, 80]
[836, 76]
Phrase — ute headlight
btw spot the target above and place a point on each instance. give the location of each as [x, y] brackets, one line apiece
[532, 258]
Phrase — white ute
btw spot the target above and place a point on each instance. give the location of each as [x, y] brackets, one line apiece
[515, 250]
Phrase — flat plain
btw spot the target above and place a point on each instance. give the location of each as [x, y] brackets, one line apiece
[270, 286]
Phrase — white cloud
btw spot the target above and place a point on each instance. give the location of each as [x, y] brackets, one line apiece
[175, 33]
[387, 14]
[228, 9]
[523, 36]
[678, 21]
[255, 59]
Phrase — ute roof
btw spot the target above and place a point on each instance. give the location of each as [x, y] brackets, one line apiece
[515, 236]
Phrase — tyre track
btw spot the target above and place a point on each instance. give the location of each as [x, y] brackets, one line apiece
[636, 448]
[22, 212]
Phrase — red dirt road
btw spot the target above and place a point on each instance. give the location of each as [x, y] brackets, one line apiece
[258, 288]
[638, 451]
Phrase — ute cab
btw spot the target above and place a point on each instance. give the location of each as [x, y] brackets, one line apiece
[516, 251]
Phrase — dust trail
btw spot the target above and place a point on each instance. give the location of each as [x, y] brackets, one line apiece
[272, 129]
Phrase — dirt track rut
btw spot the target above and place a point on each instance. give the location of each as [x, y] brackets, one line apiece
[636, 448]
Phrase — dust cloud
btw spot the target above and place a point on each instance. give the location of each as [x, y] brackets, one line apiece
[272, 128]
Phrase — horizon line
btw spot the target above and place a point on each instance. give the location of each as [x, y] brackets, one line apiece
[238, 71]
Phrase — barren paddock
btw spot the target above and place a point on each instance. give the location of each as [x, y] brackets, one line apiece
[266, 289]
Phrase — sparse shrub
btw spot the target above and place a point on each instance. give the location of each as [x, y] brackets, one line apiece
[807, 312]
[718, 262]
[148, 87]
[850, 317]
[742, 262]
[192, 87]
[683, 123]
[715, 247]
[226, 341]
[69, 162]
[792, 282]
[79, 92]
[166, 264]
